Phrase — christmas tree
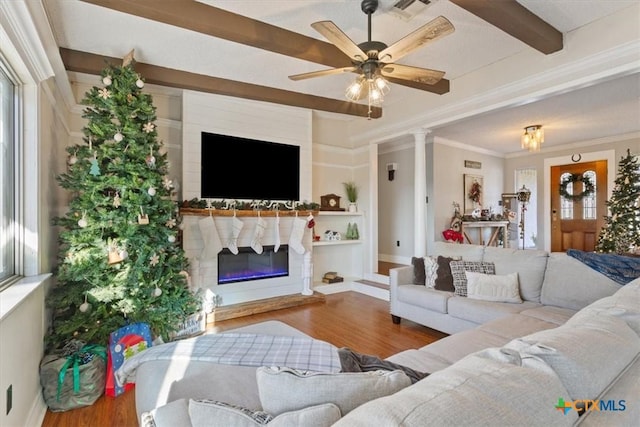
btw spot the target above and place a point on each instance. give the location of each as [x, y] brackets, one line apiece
[119, 261]
[621, 233]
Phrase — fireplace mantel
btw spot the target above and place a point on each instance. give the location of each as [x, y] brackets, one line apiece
[245, 213]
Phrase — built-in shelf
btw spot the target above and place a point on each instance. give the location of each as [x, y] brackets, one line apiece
[335, 242]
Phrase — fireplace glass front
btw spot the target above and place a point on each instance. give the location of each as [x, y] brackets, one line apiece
[248, 265]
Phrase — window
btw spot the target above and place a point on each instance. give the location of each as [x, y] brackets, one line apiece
[589, 202]
[7, 179]
[566, 205]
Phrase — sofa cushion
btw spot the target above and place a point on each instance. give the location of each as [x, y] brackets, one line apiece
[444, 279]
[624, 304]
[571, 284]
[515, 326]
[430, 271]
[421, 296]
[586, 357]
[550, 313]
[530, 266]
[207, 413]
[283, 389]
[457, 346]
[493, 287]
[483, 389]
[175, 413]
[459, 269]
[483, 311]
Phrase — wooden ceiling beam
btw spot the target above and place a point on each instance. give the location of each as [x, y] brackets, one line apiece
[516, 20]
[205, 19]
[90, 63]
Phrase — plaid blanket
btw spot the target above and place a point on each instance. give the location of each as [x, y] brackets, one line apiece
[302, 353]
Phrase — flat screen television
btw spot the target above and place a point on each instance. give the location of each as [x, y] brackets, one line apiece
[241, 168]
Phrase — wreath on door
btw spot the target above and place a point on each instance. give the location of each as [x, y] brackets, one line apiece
[588, 187]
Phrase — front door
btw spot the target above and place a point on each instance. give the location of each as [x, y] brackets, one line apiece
[576, 217]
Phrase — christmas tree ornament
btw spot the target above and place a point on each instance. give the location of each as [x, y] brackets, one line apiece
[73, 159]
[106, 80]
[84, 307]
[114, 255]
[90, 144]
[171, 223]
[82, 223]
[123, 254]
[154, 260]
[151, 191]
[140, 83]
[143, 219]
[116, 200]
[157, 292]
[104, 93]
[118, 137]
[150, 160]
[95, 169]
[167, 183]
[171, 238]
[148, 127]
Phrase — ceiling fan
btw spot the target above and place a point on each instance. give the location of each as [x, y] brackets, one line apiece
[374, 60]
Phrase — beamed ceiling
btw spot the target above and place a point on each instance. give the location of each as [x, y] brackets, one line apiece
[248, 48]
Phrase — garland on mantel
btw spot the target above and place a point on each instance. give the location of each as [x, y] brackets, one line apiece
[263, 205]
[588, 187]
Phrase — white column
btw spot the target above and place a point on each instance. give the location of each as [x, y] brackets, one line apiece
[420, 193]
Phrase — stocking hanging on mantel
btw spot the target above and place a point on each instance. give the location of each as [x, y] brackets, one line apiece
[297, 234]
[256, 242]
[212, 244]
[236, 227]
[276, 245]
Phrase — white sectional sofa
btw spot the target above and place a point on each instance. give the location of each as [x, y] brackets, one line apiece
[574, 340]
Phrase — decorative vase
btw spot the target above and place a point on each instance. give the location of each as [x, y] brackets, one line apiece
[353, 207]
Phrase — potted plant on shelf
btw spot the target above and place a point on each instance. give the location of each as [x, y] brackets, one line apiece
[352, 195]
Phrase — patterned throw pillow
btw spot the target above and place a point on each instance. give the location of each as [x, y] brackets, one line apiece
[430, 271]
[459, 269]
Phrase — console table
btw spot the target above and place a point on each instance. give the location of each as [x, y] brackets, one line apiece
[480, 226]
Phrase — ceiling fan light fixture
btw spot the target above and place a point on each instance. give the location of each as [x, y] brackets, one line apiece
[382, 84]
[354, 91]
[532, 138]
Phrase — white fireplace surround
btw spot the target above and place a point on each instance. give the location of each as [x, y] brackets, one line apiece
[204, 273]
[203, 112]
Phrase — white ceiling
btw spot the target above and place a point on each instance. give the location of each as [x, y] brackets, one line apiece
[597, 110]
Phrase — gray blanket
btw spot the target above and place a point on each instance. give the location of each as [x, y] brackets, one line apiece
[302, 353]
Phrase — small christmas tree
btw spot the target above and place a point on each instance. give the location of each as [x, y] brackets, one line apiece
[621, 233]
[119, 262]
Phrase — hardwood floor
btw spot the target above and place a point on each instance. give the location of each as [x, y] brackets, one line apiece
[346, 319]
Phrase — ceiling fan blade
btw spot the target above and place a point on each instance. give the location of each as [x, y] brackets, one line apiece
[335, 35]
[435, 29]
[439, 88]
[322, 73]
[416, 74]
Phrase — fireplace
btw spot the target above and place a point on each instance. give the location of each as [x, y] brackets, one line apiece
[248, 265]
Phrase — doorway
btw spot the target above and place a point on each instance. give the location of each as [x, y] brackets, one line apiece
[578, 205]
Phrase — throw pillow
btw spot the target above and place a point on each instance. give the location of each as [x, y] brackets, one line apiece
[444, 279]
[210, 413]
[418, 270]
[459, 269]
[284, 389]
[430, 271]
[497, 288]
